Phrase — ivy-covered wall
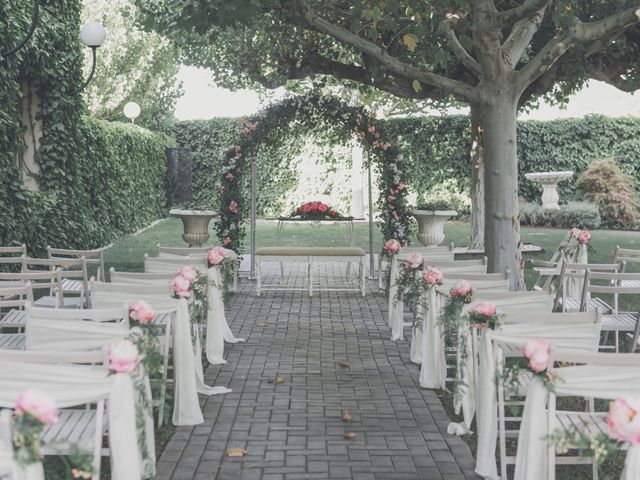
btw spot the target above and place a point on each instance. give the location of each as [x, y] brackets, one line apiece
[97, 180]
[437, 149]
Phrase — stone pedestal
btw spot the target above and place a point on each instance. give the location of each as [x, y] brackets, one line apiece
[549, 182]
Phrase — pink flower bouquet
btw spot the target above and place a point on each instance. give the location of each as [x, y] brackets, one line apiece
[141, 312]
[624, 420]
[462, 291]
[38, 405]
[414, 261]
[392, 246]
[215, 256]
[538, 353]
[123, 356]
[181, 287]
[484, 315]
[433, 277]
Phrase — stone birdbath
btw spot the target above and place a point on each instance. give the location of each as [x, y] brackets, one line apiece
[431, 225]
[549, 182]
[195, 225]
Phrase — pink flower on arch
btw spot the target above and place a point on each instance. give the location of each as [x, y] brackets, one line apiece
[229, 176]
[226, 241]
[233, 206]
[386, 146]
[538, 352]
[38, 404]
[401, 186]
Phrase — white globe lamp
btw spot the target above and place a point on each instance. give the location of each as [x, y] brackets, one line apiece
[93, 34]
[132, 111]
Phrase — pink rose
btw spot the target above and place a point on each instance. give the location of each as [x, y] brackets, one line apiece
[414, 261]
[462, 289]
[395, 216]
[386, 146]
[486, 309]
[123, 356]
[401, 186]
[181, 286]
[141, 312]
[584, 237]
[433, 276]
[37, 404]
[391, 198]
[624, 420]
[215, 256]
[322, 207]
[392, 246]
[226, 241]
[233, 206]
[574, 232]
[189, 273]
[229, 176]
[538, 352]
[371, 129]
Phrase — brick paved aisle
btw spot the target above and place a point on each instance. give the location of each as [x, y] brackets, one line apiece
[294, 430]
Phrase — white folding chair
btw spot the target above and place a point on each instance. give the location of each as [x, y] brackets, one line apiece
[576, 272]
[12, 257]
[93, 257]
[74, 280]
[616, 321]
[49, 282]
[12, 302]
[445, 252]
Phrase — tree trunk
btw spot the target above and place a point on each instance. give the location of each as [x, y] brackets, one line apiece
[502, 225]
[476, 156]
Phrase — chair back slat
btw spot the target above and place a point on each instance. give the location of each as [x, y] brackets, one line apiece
[18, 250]
[16, 296]
[93, 257]
[117, 315]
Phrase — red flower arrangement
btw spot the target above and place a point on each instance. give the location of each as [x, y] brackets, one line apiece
[315, 210]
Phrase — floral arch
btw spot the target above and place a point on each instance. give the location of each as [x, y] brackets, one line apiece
[313, 111]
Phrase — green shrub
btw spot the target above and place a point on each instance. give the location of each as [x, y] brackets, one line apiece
[573, 214]
[612, 190]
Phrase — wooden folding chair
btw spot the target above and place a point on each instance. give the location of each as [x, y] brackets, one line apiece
[12, 302]
[74, 276]
[93, 257]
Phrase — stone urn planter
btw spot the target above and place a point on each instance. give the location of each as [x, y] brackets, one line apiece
[431, 225]
[195, 225]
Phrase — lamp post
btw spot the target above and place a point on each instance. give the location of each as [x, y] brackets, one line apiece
[92, 35]
[132, 111]
[34, 24]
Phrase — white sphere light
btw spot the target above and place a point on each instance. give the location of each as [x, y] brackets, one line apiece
[93, 34]
[131, 110]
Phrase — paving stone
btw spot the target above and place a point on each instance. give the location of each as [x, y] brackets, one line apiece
[294, 430]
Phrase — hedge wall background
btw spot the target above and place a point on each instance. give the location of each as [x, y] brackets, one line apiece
[97, 180]
[436, 147]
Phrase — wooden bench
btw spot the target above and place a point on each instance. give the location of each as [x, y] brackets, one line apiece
[310, 256]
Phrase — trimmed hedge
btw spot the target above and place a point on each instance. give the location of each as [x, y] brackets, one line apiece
[116, 188]
[572, 214]
[436, 149]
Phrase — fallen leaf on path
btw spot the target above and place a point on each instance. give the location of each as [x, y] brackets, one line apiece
[346, 416]
[343, 364]
[350, 435]
[235, 452]
[261, 324]
[279, 380]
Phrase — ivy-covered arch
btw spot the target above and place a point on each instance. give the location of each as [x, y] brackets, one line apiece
[332, 115]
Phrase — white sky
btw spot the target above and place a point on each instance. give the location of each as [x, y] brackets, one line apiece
[203, 100]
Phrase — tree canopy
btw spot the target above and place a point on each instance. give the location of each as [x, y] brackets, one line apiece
[133, 65]
[494, 55]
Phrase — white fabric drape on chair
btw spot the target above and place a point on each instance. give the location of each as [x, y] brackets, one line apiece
[218, 330]
[574, 285]
[71, 386]
[569, 337]
[593, 381]
[433, 370]
[187, 357]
